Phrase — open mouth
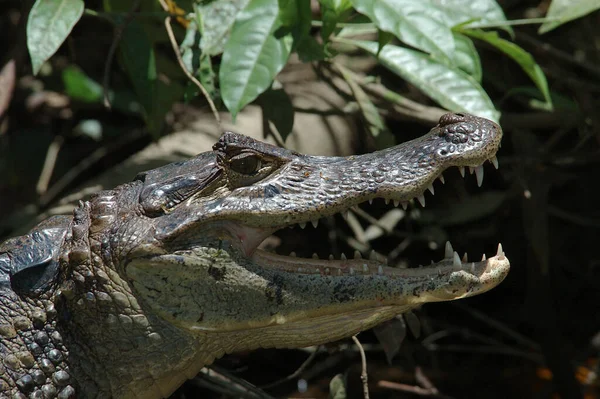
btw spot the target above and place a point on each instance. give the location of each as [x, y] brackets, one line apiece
[253, 239]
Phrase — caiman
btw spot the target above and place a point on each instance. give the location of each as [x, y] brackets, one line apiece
[147, 283]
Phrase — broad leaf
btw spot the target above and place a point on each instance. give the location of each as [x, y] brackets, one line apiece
[451, 87]
[483, 11]
[49, 24]
[567, 10]
[417, 23]
[218, 18]
[253, 56]
[520, 56]
[332, 12]
[466, 57]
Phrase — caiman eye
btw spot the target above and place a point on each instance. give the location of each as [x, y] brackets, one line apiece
[246, 164]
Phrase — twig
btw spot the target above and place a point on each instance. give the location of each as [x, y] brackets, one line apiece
[295, 374]
[49, 163]
[183, 67]
[363, 375]
[113, 48]
[416, 390]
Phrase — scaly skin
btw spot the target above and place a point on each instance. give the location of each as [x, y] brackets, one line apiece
[149, 282]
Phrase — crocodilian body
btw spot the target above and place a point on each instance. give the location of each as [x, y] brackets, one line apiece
[148, 282]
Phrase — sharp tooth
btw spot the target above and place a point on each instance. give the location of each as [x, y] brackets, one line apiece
[302, 225]
[465, 258]
[315, 256]
[442, 179]
[365, 268]
[387, 200]
[471, 170]
[396, 203]
[351, 271]
[483, 258]
[456, 260]
[370, 201]
[473, 267]
[479, 175]
[357, 255]
[421, 199]
[500, 252]
[373, 255]
[330, 257]
[345, 214]
[380, 270]
[494, 161]
[449, 251]
[430, 188]
[343, 256]
[461, 169]
[315, 223]
[326, 270]
[404, 205]
[293, 254]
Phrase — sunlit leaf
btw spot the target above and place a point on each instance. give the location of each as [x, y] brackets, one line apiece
[567, 10]
[253, 56]
[49, 24]
[466, 57]
[450, 87]
[419, 24]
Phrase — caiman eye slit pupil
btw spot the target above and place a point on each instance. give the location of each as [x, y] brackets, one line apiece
[245, 164]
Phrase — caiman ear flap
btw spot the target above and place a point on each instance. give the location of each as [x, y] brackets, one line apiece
[166, 187]
[32, 260]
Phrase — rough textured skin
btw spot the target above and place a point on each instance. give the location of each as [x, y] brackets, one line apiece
[149, 282]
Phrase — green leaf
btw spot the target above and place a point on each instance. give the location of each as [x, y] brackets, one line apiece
[49, 24]
[520, 56]
[419, 24]
[466, 57]
[296, 14]
[451, 87]
[80, 87]
[277, 108]
[332, 12]
[218, 18]
[567, 10]
[370, 113]
[253, 56]
[484, 11]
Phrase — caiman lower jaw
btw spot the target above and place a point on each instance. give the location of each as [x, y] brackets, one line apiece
[457, 272]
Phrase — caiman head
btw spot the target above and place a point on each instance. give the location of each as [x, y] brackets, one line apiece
[197, 265]
[179, 246]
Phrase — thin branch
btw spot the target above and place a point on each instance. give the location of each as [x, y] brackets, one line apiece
[363, 375]
[49, 163]
[183, 67]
